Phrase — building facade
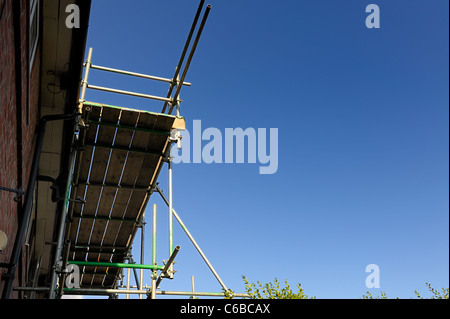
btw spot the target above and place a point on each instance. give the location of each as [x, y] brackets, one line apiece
[40, 71]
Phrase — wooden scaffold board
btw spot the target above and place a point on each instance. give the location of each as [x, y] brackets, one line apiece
[115, 168]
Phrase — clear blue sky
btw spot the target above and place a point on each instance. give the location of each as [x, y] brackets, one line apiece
[363, 122]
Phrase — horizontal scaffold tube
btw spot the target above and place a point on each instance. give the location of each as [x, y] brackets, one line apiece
[116, 265]
[94, 291]
[140, 75]
[147, 96]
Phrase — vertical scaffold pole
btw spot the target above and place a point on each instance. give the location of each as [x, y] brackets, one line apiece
[141, 280]
[128, 282]
[170, 212]
[154, 277]
[193, 287]
[154, 236]
[61, 230]
[155, 273]
[84, 83]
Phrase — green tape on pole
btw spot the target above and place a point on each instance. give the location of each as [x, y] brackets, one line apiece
[116, 265]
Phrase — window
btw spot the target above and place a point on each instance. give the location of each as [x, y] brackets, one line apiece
[34, 29]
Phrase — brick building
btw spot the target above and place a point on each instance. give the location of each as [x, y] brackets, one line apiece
[40, 72]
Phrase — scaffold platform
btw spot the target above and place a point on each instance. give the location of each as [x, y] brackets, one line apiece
[118, 164]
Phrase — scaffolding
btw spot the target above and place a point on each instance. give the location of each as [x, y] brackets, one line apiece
[116, 158]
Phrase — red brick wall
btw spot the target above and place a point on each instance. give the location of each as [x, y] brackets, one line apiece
[9, 209]
[8, 129]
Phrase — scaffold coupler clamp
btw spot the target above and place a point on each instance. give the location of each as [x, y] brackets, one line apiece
[63, 271]
[175, 137]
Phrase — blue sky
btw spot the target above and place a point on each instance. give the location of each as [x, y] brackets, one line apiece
[362, 118]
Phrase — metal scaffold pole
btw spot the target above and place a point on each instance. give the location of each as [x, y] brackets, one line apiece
[183, 54]
[128, 282]
[191, 55]
[170, 211]
[154, 273]
[99, 292]
[116, 265]
[154, 236]
[141, 279]
[58, 263]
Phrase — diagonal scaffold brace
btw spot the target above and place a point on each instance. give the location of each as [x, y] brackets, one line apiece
[177, 217]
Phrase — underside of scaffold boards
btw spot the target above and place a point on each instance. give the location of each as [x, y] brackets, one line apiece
[121, 156]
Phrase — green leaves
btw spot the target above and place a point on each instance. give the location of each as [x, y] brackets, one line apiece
[435, 294]
[444, 294]
[369, 296]
[273, 290]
